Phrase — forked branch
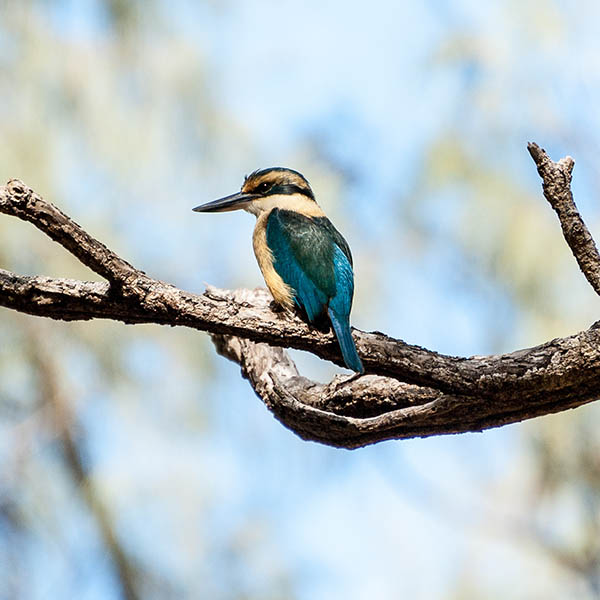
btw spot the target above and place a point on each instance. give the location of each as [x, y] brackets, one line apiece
[408, 391]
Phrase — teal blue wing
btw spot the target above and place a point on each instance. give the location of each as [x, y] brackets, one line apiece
[312, 257]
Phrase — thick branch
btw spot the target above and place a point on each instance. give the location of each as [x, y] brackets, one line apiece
[354, 411]
[409, 391]
[248, 314]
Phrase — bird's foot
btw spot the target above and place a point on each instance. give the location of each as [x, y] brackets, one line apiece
[322, 324]
[276, 307]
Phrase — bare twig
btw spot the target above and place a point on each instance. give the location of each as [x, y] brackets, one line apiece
[556, 177]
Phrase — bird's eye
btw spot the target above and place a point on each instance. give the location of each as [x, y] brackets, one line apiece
[263, 187]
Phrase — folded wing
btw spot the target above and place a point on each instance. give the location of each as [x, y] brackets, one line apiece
[312, 257]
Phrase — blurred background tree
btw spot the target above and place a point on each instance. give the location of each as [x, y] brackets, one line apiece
[135, 462]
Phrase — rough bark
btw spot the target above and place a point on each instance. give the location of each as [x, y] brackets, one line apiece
[556, 179]
[408, 391]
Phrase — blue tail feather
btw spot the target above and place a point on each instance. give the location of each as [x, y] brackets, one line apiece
[341, 326]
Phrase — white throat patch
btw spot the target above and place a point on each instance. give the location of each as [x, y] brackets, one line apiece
[294, 202]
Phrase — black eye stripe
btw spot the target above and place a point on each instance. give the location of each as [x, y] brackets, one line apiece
[290, 188]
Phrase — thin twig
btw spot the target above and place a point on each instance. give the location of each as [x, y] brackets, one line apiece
[556, 177]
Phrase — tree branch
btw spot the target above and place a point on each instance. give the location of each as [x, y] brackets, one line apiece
[21, 201]
[408, 391]
[353, 411]
[556, 177]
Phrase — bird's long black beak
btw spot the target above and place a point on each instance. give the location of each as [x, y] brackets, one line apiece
[233, 202]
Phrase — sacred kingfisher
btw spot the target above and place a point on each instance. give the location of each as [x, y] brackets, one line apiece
[304, 259]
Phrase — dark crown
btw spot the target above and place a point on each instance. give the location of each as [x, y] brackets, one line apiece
[277, 180]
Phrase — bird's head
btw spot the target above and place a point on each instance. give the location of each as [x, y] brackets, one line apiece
[265, 189]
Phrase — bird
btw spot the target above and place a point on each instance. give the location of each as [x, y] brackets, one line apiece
[305, 261]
